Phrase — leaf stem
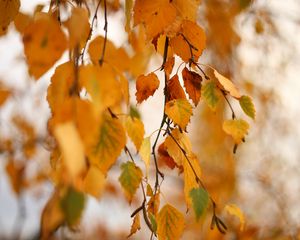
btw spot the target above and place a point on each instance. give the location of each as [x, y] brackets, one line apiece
[105, 34]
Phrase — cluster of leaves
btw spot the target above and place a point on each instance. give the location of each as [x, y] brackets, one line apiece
[91, 112]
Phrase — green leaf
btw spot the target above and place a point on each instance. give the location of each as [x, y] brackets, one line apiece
[153, 222]
[200, 200]
[170, 223]
[72, 205]
[247, 106]
[130, 178]
[209, 93]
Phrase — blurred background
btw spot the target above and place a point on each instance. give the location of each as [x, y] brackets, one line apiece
[255, 43]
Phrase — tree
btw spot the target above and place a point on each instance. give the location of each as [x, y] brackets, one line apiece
[93, 120]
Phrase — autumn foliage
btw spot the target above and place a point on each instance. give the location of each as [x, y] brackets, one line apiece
[95, 127]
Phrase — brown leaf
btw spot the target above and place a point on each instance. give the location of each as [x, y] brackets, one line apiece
[192, 83]
[175, 90]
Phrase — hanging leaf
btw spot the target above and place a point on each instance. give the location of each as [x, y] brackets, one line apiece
[190, 168]
[227, 85]
[146, 86]
[170, 223]
[168, 67]
[179, 111]
[163, 156]
[72, 205]
[52, 216]
[153, 204]
[156, 15]
[187, 9]
[78, 27]
[136, 225]
[4, 95]
[101, 84]
[145, 152]
[175, 90]
[247, 106]
[192, 83]
[173, 149]
[22, 21]
[135, 130]
[237, 128]
[200, 199]
[94, 182]
[130, 179]
[236, 211]
[191, 41]
[71, 147]
[116, 57]
[9, 10]
[209, 94]
[110, 142]
[44, 43]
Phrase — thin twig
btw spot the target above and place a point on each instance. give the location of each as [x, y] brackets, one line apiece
[91, 31]
[105, 34]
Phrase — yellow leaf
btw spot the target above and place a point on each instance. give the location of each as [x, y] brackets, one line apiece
[145, 152]
[146, 86]
[173, 149]
[187, 9]
[136, 225]
[109, 143]
[153, 204]
[155, 14]
[130, 179]
[94, 182]
[78, 27]
[102, 86]
[247, 106]
[8, 9]
[190, 167]
[237, 128]
[236, 211]
[71, 147]
[227, 85]
[135, 130]
[44, 43]
[170, 223]
[52, 216]
[179, 111]
[116, 57]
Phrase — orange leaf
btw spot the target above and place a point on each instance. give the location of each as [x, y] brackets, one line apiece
[192, 84]
[4, 94]
[163, 156]
[44, 43]
[174, 89]
[101, 84]
[168, 67]
[155, 14]
[21, 22]
[78, 27]
[187, 9]
[190, 41]
[8, 10]
[136, 225]
[146, 86]
[117, 57]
